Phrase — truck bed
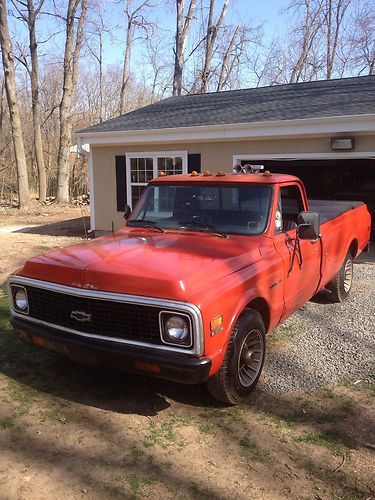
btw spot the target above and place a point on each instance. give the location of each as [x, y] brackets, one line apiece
[329, 210]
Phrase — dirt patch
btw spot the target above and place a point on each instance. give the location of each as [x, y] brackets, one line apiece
[69, 431]
[30, 232]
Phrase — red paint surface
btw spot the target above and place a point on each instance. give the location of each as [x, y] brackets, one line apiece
[220, 276]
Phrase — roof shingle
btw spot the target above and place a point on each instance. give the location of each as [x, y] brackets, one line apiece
[347, 96]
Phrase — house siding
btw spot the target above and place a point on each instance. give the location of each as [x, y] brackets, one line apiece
[214, 156]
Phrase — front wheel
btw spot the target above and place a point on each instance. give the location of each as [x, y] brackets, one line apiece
[341, 285]
[243, 361]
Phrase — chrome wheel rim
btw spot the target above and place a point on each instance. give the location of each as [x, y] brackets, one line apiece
[348, 275]
[250, 358]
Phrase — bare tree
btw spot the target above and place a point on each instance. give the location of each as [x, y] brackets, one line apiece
[135, 19]
[334, 13]
[308, 27]
[28, 12]
[229, 60]
[159, 68]
[98, 31]
[73, 44]
[14, 111]
[183, 24]
[211, 36]
[361, 39]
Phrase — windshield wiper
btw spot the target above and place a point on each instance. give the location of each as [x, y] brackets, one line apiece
[145, 223]
[207, 228]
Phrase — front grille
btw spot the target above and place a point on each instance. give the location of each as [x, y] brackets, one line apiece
[108, 319]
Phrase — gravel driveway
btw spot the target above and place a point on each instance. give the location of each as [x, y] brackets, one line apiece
[327, 341]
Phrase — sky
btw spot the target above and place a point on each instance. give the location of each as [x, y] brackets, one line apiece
[266, 12]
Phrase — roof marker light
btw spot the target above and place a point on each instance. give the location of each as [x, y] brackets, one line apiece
[161, 174]
[247, 168]
[207, 173]
[194, 173]
[220, 173]
[267, 173]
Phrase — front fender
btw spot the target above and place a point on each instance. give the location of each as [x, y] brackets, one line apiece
[230, 295]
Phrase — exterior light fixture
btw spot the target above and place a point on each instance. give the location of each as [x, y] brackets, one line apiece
[341, 143]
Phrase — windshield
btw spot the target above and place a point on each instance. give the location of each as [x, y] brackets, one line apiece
[224, 209]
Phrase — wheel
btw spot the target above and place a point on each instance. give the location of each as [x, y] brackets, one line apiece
[341, 285]
[243, 361]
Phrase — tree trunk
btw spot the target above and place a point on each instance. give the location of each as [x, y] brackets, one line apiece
[73, 45]
[34, 78]
[14, 112]
[182, 31]
[224, 72]
[126, 66]
[212, 32]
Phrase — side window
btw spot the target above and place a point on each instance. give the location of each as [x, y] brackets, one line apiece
[291, 205]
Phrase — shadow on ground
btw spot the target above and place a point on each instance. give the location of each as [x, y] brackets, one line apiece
[69, 227]
[44, 373]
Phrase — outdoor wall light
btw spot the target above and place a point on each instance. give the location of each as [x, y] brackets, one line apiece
[346, 143]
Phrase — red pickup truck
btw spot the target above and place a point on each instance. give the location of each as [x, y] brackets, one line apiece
[205, 266]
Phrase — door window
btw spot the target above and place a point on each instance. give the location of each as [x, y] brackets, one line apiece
[290, 205]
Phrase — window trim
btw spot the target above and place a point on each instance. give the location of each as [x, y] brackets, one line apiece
[154, 155]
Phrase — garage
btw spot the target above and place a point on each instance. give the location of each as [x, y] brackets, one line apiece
[331, 179]
[323, 132]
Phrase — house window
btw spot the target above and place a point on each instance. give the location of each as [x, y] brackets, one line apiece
[141, 168]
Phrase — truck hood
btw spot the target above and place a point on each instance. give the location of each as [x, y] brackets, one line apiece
[168, 265]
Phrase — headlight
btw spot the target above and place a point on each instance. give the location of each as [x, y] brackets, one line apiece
[176, 329]
[20, 300]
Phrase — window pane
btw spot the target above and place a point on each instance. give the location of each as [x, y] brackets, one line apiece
[133, 163]
[137, 193]
[178, 165]
[161, 164]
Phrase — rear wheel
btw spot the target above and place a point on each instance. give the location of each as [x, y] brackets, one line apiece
[341, 285]
[243, 362]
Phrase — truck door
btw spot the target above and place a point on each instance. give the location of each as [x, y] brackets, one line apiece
[301, 275]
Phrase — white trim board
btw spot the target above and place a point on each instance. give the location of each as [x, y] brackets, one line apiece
[316, 127]
[91, 187]
[304, 156]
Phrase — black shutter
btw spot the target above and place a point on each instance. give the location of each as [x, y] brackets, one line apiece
[121, 182]
[194, 163]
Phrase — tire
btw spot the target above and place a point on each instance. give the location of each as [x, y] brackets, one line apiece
[238, 375]
[339, 288]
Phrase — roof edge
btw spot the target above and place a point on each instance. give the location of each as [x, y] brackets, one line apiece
[275, 128]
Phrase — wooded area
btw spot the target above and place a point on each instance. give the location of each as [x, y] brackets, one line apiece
[60, 70]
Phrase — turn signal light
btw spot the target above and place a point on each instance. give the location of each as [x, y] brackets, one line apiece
[216, 325]
[147, 367]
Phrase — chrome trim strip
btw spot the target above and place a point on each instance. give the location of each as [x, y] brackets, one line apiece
[174, 306]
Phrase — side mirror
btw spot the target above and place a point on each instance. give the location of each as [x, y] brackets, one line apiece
[308, 225]
[127, 212]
